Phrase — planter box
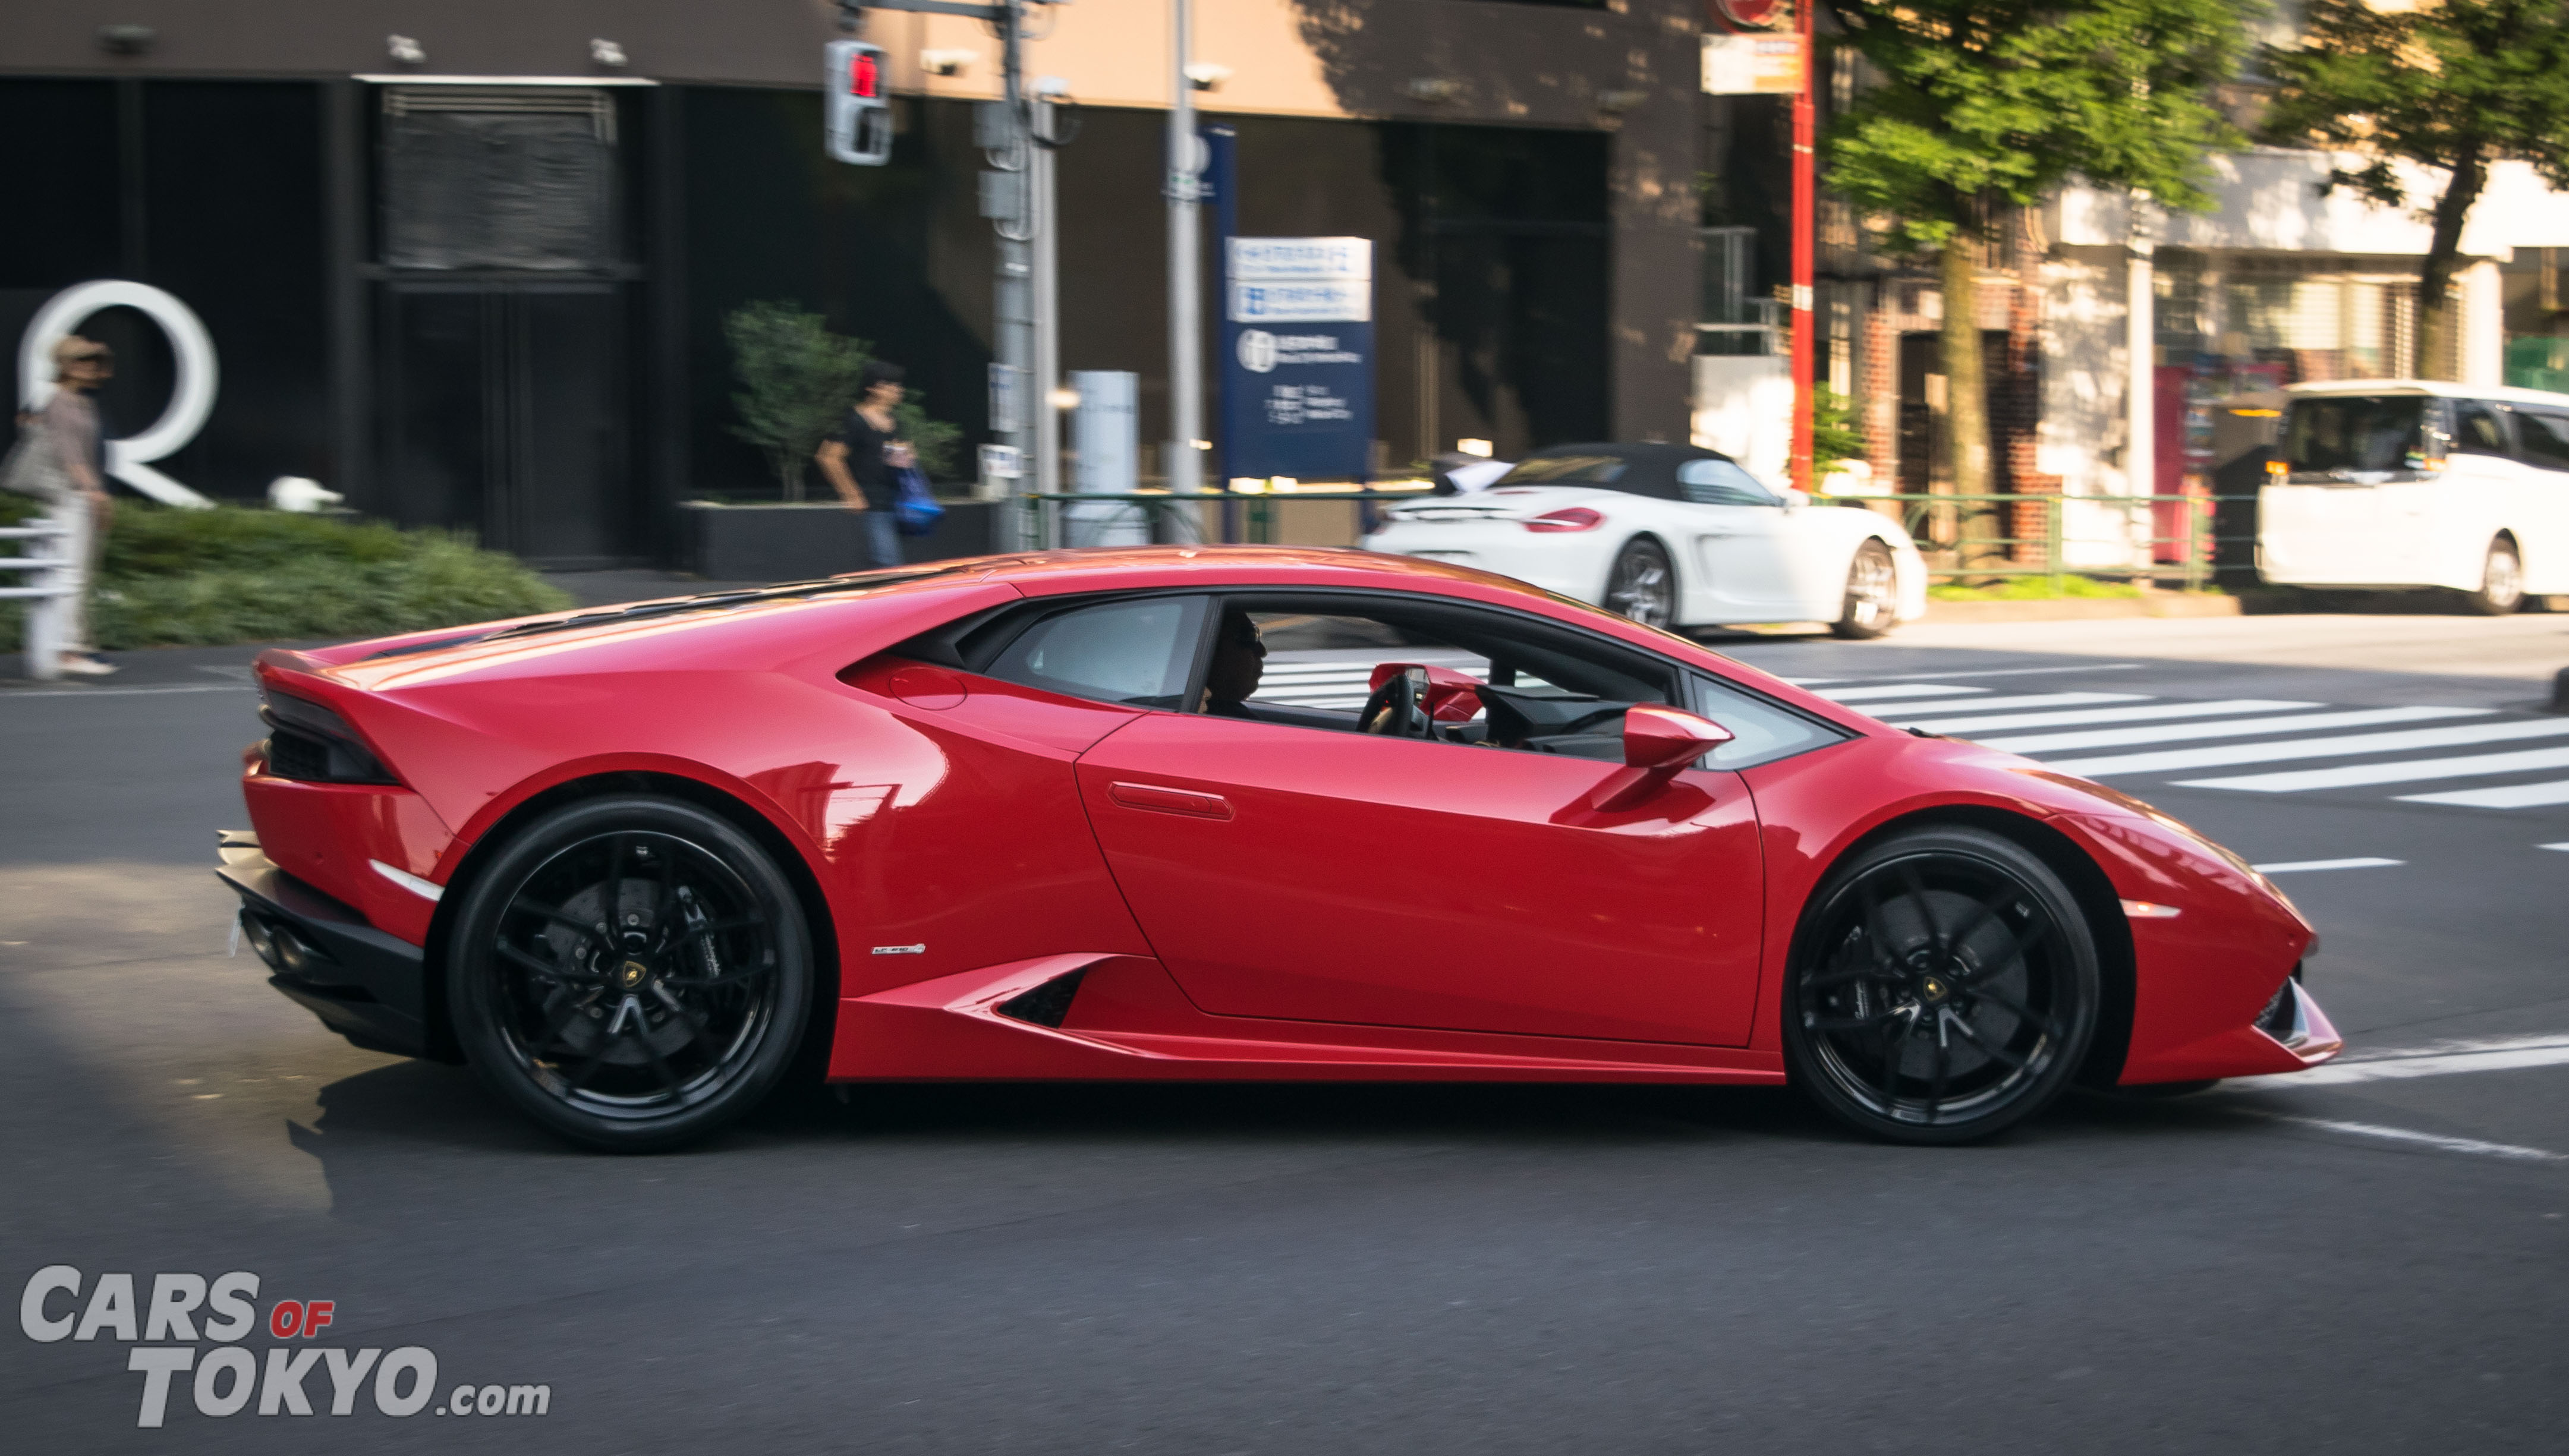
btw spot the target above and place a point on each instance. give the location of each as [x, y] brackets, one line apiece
[777, 542]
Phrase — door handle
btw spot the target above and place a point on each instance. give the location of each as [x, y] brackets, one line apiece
[1166, 799]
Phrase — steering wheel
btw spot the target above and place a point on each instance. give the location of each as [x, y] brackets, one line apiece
[1392, 710]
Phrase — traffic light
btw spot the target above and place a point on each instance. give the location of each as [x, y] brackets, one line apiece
[859, 114]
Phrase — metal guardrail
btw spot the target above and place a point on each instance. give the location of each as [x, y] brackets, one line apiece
[2158, 538]
[1962, 536]
[1133, 517]
[47, 595]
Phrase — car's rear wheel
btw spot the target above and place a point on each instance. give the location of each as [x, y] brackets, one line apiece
[1943, 989]
[632, 972]
[2501, 582]
[1872, 606]
[1642, 585]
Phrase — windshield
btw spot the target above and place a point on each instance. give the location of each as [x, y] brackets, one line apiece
[1566, 470]
[2356, 433]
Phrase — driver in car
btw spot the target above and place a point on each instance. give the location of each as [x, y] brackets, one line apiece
[1239, 661]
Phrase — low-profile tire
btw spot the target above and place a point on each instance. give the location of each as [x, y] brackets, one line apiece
[632, 972]
[1872, 603]
[1642, 584]
[1944, 987]
[2501, 588]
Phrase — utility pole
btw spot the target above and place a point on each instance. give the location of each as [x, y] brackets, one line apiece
[1044, 344]
[1183, 465]
[1805, 205]
[2140, 345]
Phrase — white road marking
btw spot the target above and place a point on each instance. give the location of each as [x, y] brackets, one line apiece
[2513, 795]
[1976, 672]
[1906, 712]
[2510, 1151]
[2295, 867]
[2115, 715]
[2203, 758]
[1898, 690]
[2551, 846]
[11, 696]
[2509, 1054]
[2235, 728]
[2402, 771]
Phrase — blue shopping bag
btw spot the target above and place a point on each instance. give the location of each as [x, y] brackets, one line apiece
[914, 508]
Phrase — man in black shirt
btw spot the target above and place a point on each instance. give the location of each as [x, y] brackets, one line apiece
[863, 458]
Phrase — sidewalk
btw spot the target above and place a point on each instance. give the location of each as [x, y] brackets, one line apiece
[2527, 646]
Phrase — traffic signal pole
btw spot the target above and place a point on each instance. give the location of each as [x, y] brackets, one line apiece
[1183, 464]
[1017, 139]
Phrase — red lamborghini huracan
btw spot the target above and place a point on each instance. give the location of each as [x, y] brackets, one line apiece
[1053, 817]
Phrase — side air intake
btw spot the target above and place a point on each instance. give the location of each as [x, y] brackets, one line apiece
[1047, 1004]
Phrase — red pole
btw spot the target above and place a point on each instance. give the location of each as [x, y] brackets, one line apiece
[1804, 344]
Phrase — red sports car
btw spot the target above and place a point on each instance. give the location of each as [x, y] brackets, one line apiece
[1063, 816]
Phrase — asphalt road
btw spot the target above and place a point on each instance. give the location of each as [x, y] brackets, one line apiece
[2372, 1263]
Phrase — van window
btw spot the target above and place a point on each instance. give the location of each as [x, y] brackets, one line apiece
[2478, 429]
[2356, 433]
[2544, 435]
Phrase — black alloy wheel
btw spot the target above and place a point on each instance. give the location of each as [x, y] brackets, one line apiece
[1872, 604]
[1944, 988]
[632, 972]
[2501, 582]
[1642, 585]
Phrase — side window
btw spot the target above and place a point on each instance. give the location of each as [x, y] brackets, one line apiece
[2479, 429]
[1138, 652]
[2544, 435]
[1721, 483]
[1761, 732]
[1476, 679]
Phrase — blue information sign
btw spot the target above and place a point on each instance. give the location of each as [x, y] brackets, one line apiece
[1297, 357]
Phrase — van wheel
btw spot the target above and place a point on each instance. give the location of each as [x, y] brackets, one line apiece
[2501, 582]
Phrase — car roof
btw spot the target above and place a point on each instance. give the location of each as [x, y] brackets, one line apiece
[2434, 388]
[1651, 466]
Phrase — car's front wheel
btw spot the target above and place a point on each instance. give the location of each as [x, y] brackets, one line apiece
[1944, 988]
[1642, 585]
[1872, 603]
[632, 972]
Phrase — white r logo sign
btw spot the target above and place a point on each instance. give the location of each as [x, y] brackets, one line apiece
[189, 401]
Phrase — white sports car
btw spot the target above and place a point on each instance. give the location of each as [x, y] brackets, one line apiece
[1672, 536]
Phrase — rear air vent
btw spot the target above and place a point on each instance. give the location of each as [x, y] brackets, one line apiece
[1047, 1004]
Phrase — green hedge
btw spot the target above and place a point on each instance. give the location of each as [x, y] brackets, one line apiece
[176, 577]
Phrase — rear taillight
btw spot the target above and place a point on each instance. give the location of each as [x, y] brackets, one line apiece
[1569, 517]
[310, 743]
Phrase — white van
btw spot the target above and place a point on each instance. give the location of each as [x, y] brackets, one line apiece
[2411, 482]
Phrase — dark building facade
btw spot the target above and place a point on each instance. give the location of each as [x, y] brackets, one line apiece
[486, 289]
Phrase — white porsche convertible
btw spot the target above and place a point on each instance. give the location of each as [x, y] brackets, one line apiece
[1672, 536]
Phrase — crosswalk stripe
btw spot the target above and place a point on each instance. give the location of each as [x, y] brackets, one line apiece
[2399, 772]
[2513, 795]
[2232, 728]
[2205, 758]
[1906, 712]
[1898, 690]
[2003, 721]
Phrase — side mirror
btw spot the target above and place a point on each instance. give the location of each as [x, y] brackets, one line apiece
[1795, 498]
[1657, 743]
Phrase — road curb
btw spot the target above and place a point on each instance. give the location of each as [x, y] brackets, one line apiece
[2087, 608]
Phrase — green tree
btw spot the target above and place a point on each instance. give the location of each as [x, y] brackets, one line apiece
[2451, 87]
[798, 381]
[1981, 107]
